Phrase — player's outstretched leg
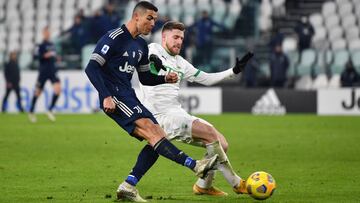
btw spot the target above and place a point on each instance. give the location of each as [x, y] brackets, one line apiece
[151, 132]
[165, 148]
[226, 169]
[145, 161]
[212, 138]
[204, 186]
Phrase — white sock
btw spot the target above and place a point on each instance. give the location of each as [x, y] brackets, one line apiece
[207, 181]
[223, 163]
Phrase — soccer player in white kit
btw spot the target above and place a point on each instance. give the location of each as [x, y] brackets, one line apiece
[162, 100]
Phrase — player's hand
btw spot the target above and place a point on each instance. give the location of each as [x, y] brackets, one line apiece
[109, 105]
[240, 64]
[171, 77]
[49, 54]
[157, 62]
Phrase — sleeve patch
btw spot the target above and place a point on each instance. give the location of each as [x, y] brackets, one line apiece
[105, 49]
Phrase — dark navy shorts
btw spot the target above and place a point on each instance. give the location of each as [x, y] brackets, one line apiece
[128, 110]
[44, 76]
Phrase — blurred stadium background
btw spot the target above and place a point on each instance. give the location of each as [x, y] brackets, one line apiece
[319, 38]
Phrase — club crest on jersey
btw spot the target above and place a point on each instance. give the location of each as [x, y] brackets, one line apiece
[105, 49]
[127, 68]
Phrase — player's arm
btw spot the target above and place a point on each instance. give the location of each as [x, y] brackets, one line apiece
[209, 79]
[93, 71]
[49, 54]
[150, 79]
[44, 54]
[147, 78]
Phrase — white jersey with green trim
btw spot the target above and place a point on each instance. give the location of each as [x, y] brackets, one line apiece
[165, 97]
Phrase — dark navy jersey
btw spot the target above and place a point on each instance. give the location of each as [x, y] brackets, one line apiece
[47, 65]
[119, 54]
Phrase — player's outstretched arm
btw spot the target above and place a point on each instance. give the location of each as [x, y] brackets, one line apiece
[209, 79]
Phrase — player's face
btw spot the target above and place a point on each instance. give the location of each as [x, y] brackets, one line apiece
[173, 41]
[46, 34]
[146, 21]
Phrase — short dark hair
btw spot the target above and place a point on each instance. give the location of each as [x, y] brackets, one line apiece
[145, 5]
[170, 25]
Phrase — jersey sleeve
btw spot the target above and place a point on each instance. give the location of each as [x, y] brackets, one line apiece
[144, 63]
[190, 71]
[193, 74]
[103, 51]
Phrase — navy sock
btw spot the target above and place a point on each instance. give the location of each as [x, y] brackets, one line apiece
[53, 101]
[33, 102]
[145, 160]
[165, 148]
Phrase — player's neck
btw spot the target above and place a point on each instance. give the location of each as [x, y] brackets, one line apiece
[132, 29]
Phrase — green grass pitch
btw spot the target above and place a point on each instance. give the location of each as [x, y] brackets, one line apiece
[83, 158]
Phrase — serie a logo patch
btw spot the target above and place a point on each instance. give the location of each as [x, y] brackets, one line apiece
[105, 49]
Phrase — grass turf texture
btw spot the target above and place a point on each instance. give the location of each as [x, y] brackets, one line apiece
[83, 158]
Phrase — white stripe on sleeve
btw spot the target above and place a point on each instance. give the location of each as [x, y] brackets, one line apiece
[96, 57]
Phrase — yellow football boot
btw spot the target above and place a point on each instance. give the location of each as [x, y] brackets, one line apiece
[212, 191]
[241, 188]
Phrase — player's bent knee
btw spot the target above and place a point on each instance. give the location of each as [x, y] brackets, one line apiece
[150, 131]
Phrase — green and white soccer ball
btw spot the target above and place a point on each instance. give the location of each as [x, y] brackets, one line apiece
[260, 185]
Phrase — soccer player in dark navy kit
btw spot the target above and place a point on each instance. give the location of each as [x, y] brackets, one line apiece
[47, 71]
[12, 78]
[112, 64]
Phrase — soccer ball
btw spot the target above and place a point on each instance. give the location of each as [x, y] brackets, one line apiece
[260, 185]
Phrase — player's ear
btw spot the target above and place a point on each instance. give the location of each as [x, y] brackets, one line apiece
[163, 36]
[136, 15]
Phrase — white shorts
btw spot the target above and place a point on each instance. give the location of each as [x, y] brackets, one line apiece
[177, 124]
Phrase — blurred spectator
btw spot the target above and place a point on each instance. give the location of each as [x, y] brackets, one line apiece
[250, 73]
[85, 20]
[103, 21]
[156, 31]
[349, 77]
[159, 23]
[305, 32]
[203, 29]
[12, 78]
[276, 39]
[112, 18]
[78, 35]
[279, 64]
[99, 26]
